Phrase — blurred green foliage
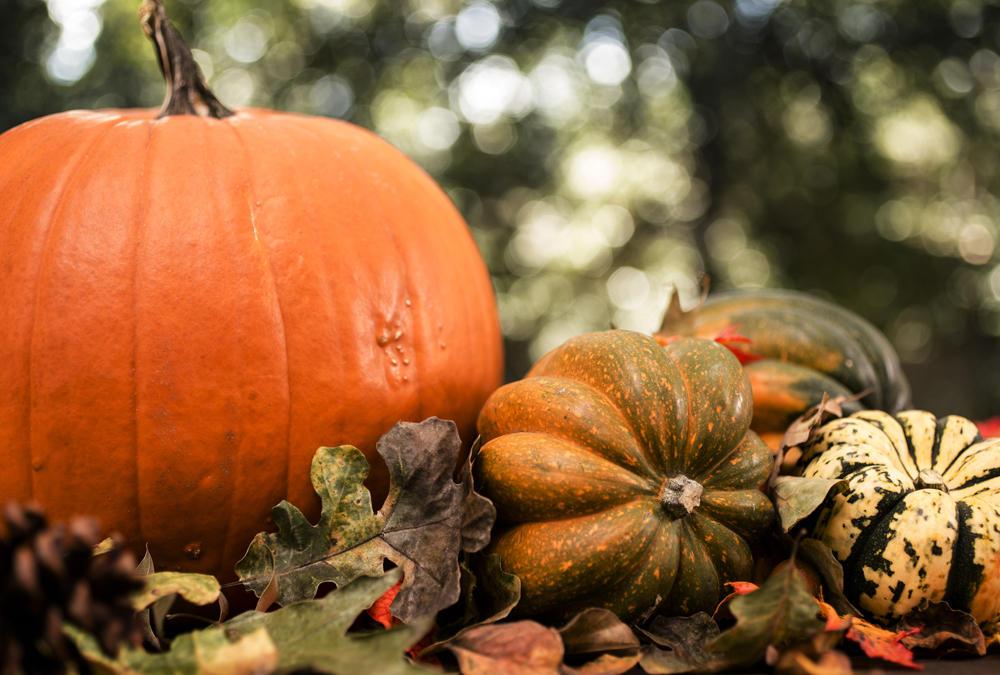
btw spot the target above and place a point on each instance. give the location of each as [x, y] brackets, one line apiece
[605, 152]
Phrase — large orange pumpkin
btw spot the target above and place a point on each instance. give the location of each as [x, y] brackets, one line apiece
[191, 304]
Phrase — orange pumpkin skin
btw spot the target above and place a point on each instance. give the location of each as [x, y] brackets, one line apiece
[191, 306]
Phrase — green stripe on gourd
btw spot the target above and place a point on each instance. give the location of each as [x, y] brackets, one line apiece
[918, 517]
[906, 556]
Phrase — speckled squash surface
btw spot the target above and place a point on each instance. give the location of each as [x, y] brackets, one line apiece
[919, 516]
[806, 347]
[624, 474]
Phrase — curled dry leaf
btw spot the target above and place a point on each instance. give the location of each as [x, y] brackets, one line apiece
[198, 589]
[516, 648]
[680, 643]
[678, 321]
[529, 648]
[426, 521]
[796, 498]
[939, 627]
[819, 556]
[488, 594]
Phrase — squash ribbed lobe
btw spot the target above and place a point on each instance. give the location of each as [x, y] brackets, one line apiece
[624, 475]
[917, 517]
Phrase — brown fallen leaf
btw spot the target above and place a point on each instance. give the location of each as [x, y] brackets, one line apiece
[515, 648]
[597, 631]
[802, 429]
[939, 627]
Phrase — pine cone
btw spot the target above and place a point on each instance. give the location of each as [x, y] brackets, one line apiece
[49, 575]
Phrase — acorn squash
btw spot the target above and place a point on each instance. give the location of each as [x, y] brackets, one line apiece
[624, 475]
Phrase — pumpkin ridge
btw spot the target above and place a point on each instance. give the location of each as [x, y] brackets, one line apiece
[689, 422]
[623, 358]
[250, 163]
[618, 588]
[72, 175]
[137, 239]
[514, 396]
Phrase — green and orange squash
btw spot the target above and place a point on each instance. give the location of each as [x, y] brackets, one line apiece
[193, 301]
[917, 517]
[796, 348]
[625, 476]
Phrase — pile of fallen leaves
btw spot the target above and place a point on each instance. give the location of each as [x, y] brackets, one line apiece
[407, 588]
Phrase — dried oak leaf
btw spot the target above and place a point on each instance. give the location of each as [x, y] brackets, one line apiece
[803, 428]
[817, 554]
[939, 627]
[426, 521]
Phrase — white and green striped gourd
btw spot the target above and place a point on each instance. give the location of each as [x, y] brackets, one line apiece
[919, 516]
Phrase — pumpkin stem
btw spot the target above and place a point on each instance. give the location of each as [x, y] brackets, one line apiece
[680, 496]
[187, 92]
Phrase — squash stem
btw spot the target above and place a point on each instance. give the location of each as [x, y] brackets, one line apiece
[932, 480]
[680, 496]
[187, 91]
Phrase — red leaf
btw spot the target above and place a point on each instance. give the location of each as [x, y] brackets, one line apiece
[727, 337]
[730, 339]
[380, 609]
[874, 641]
[989, 428]
[742, 587]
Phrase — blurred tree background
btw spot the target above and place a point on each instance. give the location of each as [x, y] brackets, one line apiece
[605, 152]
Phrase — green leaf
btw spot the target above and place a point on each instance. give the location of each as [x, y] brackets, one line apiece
[309, 635]
[819, 555]
[795, 498]
[779, 613]
[426, 521]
